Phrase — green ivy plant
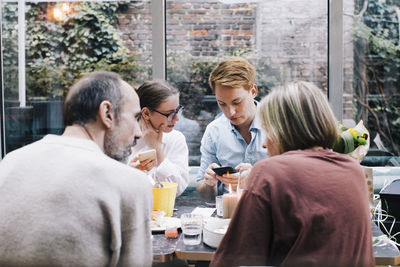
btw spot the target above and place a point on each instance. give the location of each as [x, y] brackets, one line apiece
[376, 69]
[10, 49]
[59, 52]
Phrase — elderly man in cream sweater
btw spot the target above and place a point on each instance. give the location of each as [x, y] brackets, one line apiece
[70, 200]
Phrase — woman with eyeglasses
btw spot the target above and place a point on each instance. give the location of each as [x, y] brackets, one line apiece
[159, 102]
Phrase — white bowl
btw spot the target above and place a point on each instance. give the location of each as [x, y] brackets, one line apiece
[213, 231]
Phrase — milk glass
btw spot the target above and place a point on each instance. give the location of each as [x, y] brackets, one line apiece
[192, 226]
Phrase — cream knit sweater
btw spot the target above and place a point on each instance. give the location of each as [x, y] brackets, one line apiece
[63, 202]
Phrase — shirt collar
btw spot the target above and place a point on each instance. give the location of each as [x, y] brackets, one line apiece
[255, 124]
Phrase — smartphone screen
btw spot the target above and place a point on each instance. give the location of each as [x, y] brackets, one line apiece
[223, 170]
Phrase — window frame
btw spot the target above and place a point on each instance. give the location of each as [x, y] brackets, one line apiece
[335, 57]
[2, 124]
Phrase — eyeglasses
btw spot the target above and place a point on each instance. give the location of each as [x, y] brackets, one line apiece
[171, 115]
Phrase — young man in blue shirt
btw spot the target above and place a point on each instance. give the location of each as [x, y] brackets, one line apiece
[235, 138]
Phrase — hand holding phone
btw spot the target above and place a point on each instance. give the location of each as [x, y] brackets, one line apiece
[224, 170]
[227, 179]
[149, 154]
[210, 178]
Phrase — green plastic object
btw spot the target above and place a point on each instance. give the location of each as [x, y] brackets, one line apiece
[345, 143]
[348, 142]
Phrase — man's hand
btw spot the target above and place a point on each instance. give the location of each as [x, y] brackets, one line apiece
[210, 178]
[231, 179]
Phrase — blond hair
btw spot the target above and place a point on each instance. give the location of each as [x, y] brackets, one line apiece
[234, 72]
[298, 116]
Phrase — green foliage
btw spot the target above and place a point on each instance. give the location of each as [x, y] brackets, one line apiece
[58, 53]
[190, 75]
[377, 76]
[10, 49]
[129, 69]
[378, 42]
[44, 80]
[89, 35]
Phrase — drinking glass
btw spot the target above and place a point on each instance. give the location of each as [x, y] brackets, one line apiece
[192, 225]
[218, 205]
[157, 183]
[243, 175]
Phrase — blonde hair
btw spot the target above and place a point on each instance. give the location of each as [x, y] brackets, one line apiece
[298, 116]
[234, 72]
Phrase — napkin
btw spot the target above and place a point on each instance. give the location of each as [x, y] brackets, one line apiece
[205, 212]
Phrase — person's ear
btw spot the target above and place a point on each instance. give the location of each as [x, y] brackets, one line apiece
[106, 113]
[254, 90]
[146, 113]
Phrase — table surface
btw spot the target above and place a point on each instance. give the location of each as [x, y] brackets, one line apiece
[165, 249]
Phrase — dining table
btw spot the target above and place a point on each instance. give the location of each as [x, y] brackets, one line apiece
[167, 251]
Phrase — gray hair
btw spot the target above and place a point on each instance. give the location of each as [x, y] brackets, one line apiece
[84, 97]
[298, 116]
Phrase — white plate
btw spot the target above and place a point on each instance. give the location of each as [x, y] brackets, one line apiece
[167, 221]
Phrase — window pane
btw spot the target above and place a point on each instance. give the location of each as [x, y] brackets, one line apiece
[63, 41]
[286, 40]
[372, 77]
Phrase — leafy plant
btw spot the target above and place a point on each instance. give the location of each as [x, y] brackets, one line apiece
[10, 49]
[190, 75]
[59, 52]
[377, 61]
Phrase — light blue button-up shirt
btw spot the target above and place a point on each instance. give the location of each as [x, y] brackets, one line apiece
[223, 144]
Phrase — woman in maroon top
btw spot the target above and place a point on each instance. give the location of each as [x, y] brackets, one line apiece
[305, 205]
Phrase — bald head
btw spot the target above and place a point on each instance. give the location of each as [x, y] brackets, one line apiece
[83, 99]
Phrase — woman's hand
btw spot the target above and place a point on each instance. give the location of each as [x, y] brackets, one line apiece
[145, 165]
[210, 177]
[151, 135]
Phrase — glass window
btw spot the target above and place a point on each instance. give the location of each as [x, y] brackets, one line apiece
[64, 40]
[371, 75]
[286, 40]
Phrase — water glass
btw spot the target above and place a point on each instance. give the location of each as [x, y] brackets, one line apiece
[192, 226]
[243, 176]
[218, 205]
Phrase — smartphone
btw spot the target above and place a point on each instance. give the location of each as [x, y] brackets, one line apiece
[149, 154]
[223, 170]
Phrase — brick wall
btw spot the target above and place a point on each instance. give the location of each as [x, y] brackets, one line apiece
[294, 36]
[136, 27]
[207, 28]
[291, 35]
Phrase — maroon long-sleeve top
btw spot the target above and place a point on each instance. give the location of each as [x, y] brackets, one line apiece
[301, 208]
